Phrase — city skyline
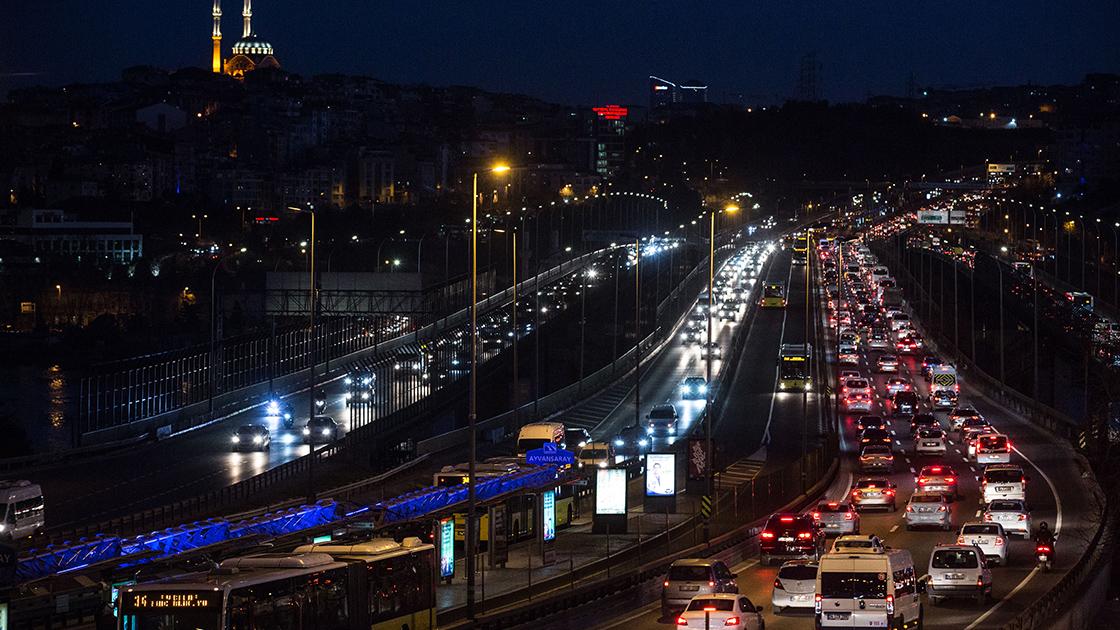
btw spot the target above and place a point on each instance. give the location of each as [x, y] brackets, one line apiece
[862, 51]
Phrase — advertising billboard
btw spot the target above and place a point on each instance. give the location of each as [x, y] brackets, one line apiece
[447, 547]
[697, 459]
[548, 503]
[610, 491]
[661, 474]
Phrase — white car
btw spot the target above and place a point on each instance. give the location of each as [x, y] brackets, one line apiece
[858, 543]
[991, 538]
[1002, 481]
[993, 448]
[1012, 514]
[721, 610]
[795, 586]
[847, 355]
[930, 442]
[847, 374]
[928, 509]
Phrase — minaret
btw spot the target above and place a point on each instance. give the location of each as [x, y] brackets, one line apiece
[247, 15]
[216, 64]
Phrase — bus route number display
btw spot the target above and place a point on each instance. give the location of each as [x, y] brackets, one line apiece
[148, 601]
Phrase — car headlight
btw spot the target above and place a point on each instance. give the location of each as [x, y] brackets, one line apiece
[236, 439]
[287, 439]
[618, 442]
[602, 464]
[643, 442]
[367, 380]
[365, 395]
[649, 429]
[306, 431]
[348, 380]
[273, 408]
[287, 416]
[347, 395]
[257, 439]
[326, 431]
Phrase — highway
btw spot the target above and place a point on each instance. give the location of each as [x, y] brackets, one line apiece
[1056, 494]
[153, 474]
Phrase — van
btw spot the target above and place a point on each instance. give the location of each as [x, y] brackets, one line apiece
[870, 589]
[22, 509]
[958, 571]
[535, 435]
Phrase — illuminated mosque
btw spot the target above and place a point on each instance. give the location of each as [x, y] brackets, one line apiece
[249, 53]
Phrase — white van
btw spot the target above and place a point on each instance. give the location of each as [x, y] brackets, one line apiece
[870, 589]
[535, 435]
[21, 504]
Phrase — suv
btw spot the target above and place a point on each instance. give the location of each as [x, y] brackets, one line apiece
[662, 420]
[790, 536]
[320, 430]
[691, 577]
[923, 421]
[1003, 481]
[904, 403]
[834, 516]
[694, 388]
[958, 415]
[930, 442]
[958, 571]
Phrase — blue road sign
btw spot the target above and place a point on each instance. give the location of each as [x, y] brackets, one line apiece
[550, 455]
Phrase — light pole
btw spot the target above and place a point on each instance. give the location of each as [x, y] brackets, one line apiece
[805, 390]
[589, 273]
[471, 534]
[199, 218]
[516, 334]
[311, 303]
[213, 327]
[708, 349]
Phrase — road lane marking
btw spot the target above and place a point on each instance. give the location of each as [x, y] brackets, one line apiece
[894, 528]
[781, 335]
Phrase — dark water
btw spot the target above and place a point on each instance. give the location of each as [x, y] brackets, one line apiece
[37, 406]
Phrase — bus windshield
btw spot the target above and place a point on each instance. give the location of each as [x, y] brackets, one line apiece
[172, 621]
[853, 585]
[794, 368]
[177, 609]
[774, 290]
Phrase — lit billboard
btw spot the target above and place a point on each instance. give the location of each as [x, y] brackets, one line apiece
[661, 474]
[610, 491]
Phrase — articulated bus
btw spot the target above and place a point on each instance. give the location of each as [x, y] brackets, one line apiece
[800, 248]
[376, 585]
[774, 295]
[520, 509]
[794, 371]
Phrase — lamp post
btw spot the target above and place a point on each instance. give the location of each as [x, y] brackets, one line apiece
[805, 390]
[471, 534]
[213, 327]
[710, 472]
[311, 304]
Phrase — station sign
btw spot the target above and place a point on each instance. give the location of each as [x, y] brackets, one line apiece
[550, 455]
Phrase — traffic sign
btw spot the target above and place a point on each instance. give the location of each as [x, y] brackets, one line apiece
[550, 455]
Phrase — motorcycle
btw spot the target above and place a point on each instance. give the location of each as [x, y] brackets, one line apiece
[1044, 555]
[320, 401]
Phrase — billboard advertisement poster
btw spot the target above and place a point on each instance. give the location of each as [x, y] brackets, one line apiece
[661, 474]
[697, 459]
[447, 547]
[548, 502]
[610, 491]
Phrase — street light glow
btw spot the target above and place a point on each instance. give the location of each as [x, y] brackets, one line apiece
[501, 168]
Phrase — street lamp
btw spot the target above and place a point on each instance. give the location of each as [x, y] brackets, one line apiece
[471, 533]
[311, 295]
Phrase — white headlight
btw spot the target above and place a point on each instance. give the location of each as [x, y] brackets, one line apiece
[365, 395]
[306, 431]
[326, 431]
[236, 439]
[348, 380]
[257, 439]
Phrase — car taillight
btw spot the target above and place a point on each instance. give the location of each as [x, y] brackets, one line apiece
[816, 516]
[855, 493]
[767, 535]
[1022, 517]
[942, 508]
[987, 517]
[922, 481]
[804, 536]
[999, 541]
[909, 508]
[711, 584]
[1042, 549]
[665, 584]
[890, 604]
[848, 516]
[681, 621]
[980, 582]
[889, 492]
[778, 583]
[731, 621]
[951, 479]
[960, 540]
[817, 603]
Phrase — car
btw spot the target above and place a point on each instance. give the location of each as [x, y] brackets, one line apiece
[943, 399]
[886, 363]
[790, 536]
[858, 543]
[692, 336]
[595, 455]
[972, 424]
[958, 415]
[1012, 514]
[847, 354]
[320, 430]
[794, 586]
[632, 440]
[849, 337]
[930, 442]
[694, 388]
[877, 340]
[899, 321]
[873, 492]
[855, 386]
[871, 422]
[970, 438]
[1003, 481]
[928, 509]
[836, 517]
[896, 384]
[958, 571]
[857, 402]
[939, 478]
[907, 345]
[869, 437]
[359, 387]
[713, 349]
[721, 610]
[928, 362]
[280, 411]
[993, 448]
[728, 313]
[904, 403]
[923, 421]
[991, 538]
[662, 420]
[876, 457]
[847, 374]
[251, 437]
[690, 577]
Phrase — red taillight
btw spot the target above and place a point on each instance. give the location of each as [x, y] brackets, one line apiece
[951, 479]
[980, 582]
[909, 508]
[786, 519]
[999, 541]
[681, 621]
[816, 516]
[1022, 517]
[848, 516]
[731, 621]
[922, 481]
[960, 540]
[804, 536]
[1042, 549]
[890, 604]
[987, 517]
[941, 508]
[665, 584]
[778, 583]
[767, 535]
[889, 492]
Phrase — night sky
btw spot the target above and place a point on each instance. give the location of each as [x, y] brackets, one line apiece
[585, 52]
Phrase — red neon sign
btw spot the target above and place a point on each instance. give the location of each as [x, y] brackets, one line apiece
[611, 112]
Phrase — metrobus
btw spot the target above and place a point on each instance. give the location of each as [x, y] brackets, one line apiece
[520, 509]
[375, 585]
[774, 295]
[794, 371]
[800, 248]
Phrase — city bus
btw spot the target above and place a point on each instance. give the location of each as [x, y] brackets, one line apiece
[375, 585]
[520, 509]
[794, 371]
[800, 248]
[774, 295]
